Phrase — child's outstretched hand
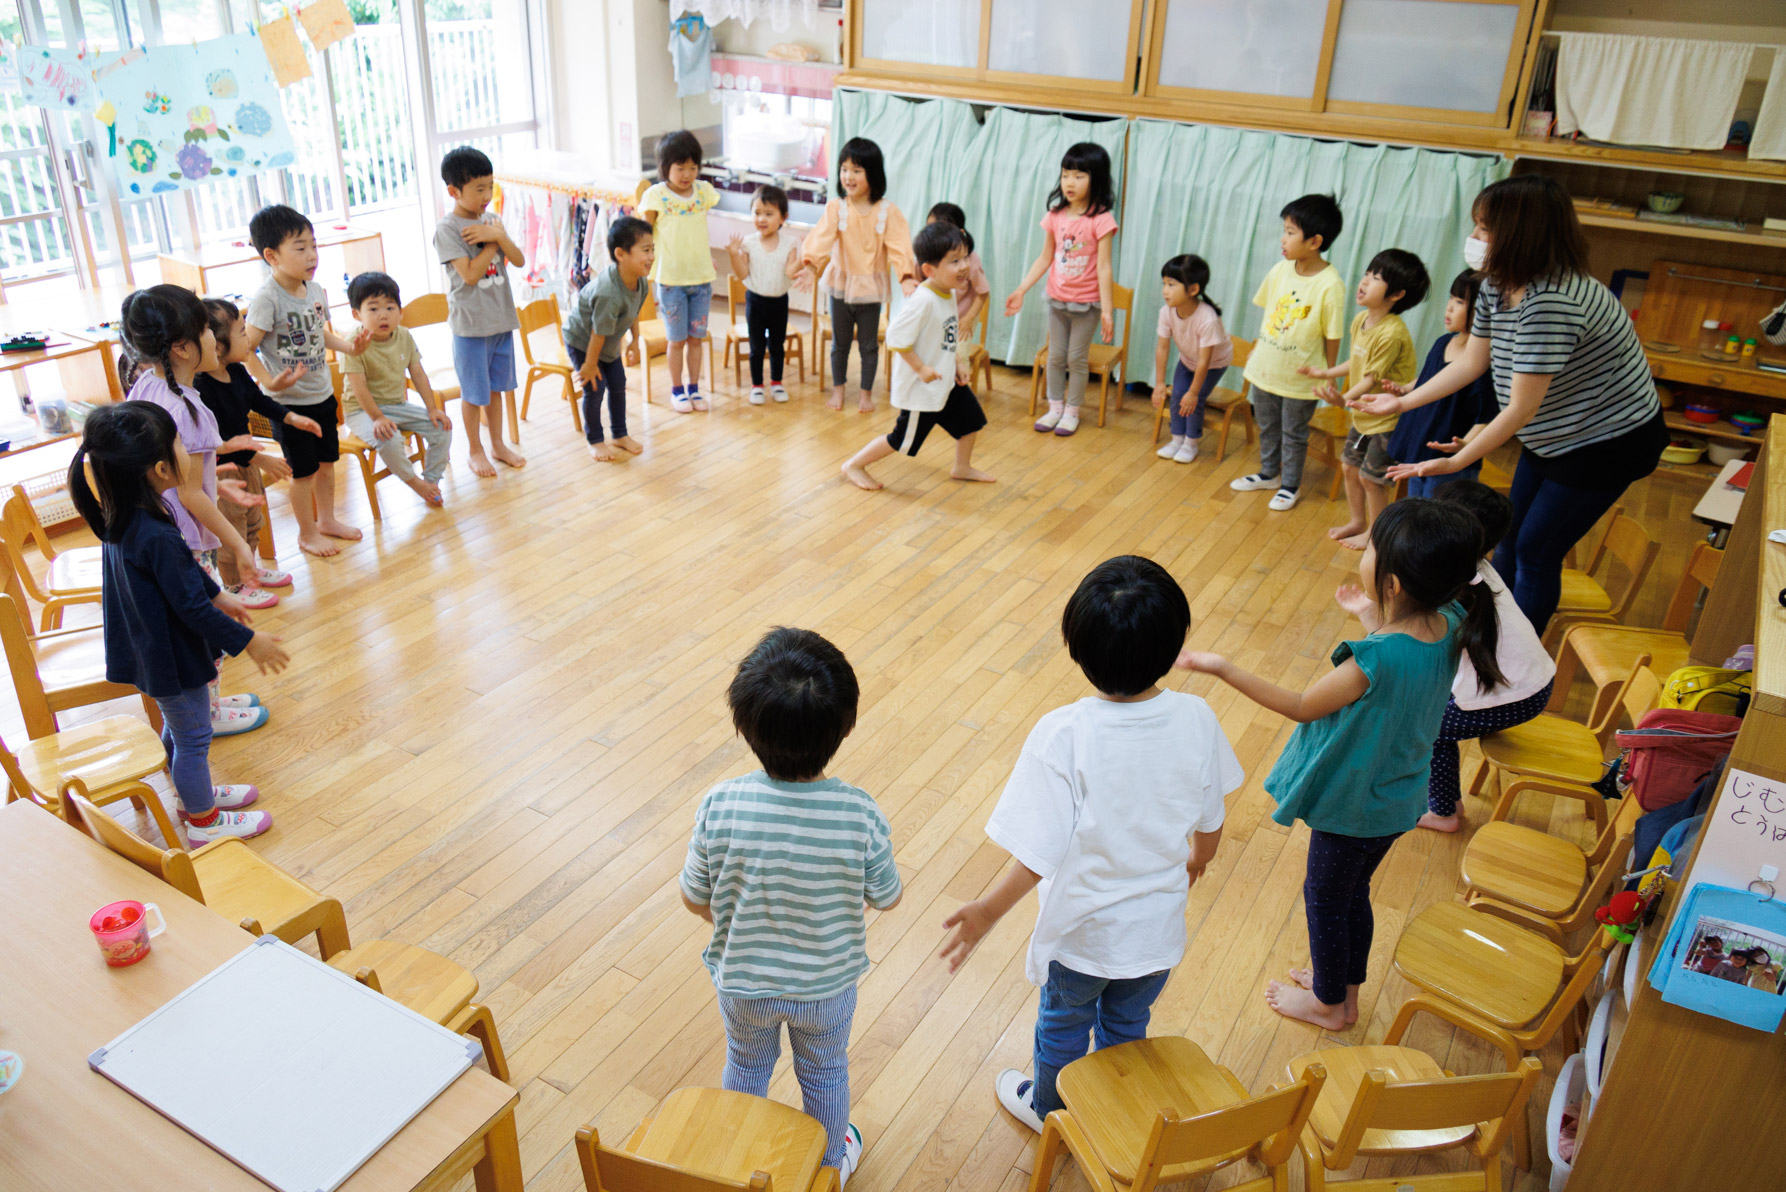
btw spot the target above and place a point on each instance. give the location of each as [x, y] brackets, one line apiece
[1377, 403]
[236, 492]
[1351, 597]
[1307, 370]
[272, 467]
[226, 603]
[966, 927]
[1201, 661]
[1451, 448]
[1398, 388]
[1013, 304]
[237, 443]
[1328, 393]
[286, 379]
[267, 653]
[361, 338]
[299, 422]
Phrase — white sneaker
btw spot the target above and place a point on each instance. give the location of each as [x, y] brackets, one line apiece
[235, 795]
[756, 395]
[1171, 447]
[230, 721]
[1252, 484]
[680, 403]
[239, 824]
[254, 597]
[1187, 451]
[777, 392]
[1015, 1091]
[1051, 419]
[852, 1154]
[1069, 422]
[1285, 499]
[239, 701]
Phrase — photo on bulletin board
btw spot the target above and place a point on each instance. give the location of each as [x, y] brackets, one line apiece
[1742, 955]
[188, 115]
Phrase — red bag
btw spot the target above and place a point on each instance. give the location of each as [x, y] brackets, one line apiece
[1671, 750]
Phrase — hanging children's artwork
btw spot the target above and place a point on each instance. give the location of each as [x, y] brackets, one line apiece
[54, 78]
[186, 115]
[284, 51]
[327, 22]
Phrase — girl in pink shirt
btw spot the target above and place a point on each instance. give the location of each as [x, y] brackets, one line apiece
[1076, 257]
[1189, 319]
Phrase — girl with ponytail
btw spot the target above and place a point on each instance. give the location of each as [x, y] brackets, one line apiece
[1355, 768]
[166, 620]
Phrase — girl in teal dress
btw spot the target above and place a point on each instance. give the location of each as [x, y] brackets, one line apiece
[1355, 768]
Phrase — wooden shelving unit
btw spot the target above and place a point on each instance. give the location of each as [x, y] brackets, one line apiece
[1720, 429]
[1756, 237]
[1716, 163]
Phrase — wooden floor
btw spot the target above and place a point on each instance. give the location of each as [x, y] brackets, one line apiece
[501, 717]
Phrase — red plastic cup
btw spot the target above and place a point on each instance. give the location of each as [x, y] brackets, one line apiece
[123, 931]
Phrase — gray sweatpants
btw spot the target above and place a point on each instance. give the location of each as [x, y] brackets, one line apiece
[1069, 347]
[1283, 435]
[409, 417]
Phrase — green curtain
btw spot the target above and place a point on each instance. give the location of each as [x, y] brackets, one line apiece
[999, 171]
[1217, 191]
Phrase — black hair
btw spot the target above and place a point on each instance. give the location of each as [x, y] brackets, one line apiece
[772, 196]
[1432, 549]
[372, 284]
[935, 241]
[1492, 511]
[1125, 624]
[1402, 272]
[866, 156]
[954, 216]
[273, 225]
[223, 315]
[793, 701]
[1465, 286]
[152, 321]
[1315, 215]
[121, 443]
[1189, 269]
[625, 232]
[465, 165]
[674, 148]
[1091, 160]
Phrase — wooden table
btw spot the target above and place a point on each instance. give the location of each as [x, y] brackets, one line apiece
[1721, 503]
[88, 367]
[64, 1127]
[362, 251]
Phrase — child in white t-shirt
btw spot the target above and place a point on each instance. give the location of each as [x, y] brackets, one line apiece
[929, 381]
[1113, 810]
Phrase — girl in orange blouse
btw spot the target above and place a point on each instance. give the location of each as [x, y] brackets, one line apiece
[860, 239]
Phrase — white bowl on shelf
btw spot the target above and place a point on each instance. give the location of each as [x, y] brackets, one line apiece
[1723, 453]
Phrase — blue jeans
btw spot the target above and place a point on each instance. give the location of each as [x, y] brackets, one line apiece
[1190, 425]
[186, 735]
[1426, 486]
[684, 310]
[613, 384]
[818, 1032]
[1076, 1009]
[1548, 519]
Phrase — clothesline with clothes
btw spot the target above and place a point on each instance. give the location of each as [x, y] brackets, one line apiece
[562, 226]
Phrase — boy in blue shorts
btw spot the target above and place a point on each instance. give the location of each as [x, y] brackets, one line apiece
[480, 310]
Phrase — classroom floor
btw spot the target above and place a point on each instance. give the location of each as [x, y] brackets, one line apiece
[500, 719]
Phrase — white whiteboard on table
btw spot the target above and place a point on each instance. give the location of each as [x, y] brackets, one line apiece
[289, 1068]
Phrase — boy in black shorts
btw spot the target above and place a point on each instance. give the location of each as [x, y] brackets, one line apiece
[929, 381]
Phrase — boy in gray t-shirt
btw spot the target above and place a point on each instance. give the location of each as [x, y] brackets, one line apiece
[480, 308]
[604, 311]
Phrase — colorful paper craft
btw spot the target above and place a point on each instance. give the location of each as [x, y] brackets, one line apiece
[327, 22]
[185, 115]
[54, 78]
[284, 51]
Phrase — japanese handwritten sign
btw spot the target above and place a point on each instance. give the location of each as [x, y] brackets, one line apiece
[1745, 831]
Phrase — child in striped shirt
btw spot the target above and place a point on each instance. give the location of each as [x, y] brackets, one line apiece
[781, 862]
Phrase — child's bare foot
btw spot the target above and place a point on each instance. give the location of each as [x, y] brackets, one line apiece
[972, 474]
[1341, 533]
[1306, 979]
[859, 477]
[1441, 823]
[630, 445]
[335, 529]
[316, 544]
[428, 492]
[865, 404]
[481, 465]
[1357, 541]
[1293, 1001]
[507, 455]
[836, 402]
[603, 453]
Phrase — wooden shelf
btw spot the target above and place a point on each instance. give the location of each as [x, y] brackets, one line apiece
[1710, 430]
[1718, 163]
[1684, 231]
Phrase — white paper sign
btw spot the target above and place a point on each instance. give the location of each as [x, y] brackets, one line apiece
[1745, 833]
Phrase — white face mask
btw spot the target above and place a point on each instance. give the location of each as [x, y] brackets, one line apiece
[1475, 252]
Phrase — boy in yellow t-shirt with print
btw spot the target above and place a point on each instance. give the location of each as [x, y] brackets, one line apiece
[1303, 299]
[1382, 350]
[676, 207]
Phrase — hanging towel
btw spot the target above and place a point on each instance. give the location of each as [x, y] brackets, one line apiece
[1769, 138]
[691, 57]
[1649, 90]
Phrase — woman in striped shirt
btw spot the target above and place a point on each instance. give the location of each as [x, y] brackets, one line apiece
[1570, 377]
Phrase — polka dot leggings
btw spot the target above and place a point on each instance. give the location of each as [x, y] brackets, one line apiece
[1442, 791]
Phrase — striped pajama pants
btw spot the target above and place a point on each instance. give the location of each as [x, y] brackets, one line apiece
[818, 1032]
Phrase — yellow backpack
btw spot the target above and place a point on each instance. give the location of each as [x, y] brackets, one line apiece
[1708, 689]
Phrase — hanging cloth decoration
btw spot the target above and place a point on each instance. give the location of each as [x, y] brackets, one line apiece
[1666, 91]
[327, 22]
[1769, 138]
[284, 51]
[691, 54]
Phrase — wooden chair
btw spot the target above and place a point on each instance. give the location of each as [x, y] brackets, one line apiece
[1552, 883]
[59, 670]
[737, 342]
[1495, 478]
[226, 875]
[1123, 1121]
[711, 1140]
[1584, 599]
[1396, 1101]
[110, 757]
[73, 575]
[1228, 402]
[542, 314]
[1556, 749]
[1327, 436]
[821, 340]
[372, 468]
[972, 344]
[1107, 362]
[429, 984]
[654, 340]
[431, 310]
[1606, 652]
[1508, 986]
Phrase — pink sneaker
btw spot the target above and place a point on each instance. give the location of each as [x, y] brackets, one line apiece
[271, 577]
[240, 824]
[255, 597]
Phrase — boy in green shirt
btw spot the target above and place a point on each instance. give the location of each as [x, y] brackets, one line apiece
[378, 408]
